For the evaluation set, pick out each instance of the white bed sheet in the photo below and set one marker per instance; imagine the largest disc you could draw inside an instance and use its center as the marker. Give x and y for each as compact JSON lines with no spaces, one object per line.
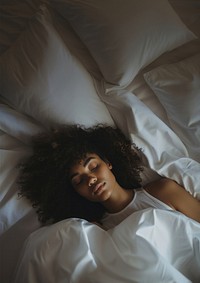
{"x":17,"y":217}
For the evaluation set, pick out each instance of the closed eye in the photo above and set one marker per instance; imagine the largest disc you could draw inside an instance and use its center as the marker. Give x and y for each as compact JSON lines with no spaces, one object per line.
{"x":76,"y":182}
{"x":94,"y":168}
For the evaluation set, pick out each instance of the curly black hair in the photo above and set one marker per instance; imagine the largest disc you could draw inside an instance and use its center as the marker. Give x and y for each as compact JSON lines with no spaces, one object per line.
{"x":44,"y":176}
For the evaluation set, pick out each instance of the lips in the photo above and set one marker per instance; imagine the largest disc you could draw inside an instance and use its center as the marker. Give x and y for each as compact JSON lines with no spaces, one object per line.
{"x":98,"y":188}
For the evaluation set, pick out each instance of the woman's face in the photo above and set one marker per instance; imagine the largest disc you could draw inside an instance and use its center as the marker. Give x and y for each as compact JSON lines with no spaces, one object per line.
{"x":92,"y":178}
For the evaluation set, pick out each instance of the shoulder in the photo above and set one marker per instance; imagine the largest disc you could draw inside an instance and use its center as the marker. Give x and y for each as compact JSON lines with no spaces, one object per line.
{"x":176,"y":196}
{"x":164,"y":189}
{"x":161,"y":184}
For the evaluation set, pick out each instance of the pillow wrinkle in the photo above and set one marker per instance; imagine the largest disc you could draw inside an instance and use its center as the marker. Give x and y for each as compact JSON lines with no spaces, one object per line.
{"x":177,"y":87}
{"x":41,"y":78}
{"x":124,"y":36}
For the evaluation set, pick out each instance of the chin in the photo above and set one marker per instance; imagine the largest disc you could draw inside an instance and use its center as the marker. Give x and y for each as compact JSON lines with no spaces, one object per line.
{"x":104,"y":196}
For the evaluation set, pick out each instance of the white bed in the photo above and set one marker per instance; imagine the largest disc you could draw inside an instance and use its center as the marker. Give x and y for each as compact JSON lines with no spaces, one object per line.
{"x":133,"y":64}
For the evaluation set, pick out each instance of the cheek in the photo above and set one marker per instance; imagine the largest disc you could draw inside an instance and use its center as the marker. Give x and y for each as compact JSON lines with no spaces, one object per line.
{"x":82,"y":191}
{"x":110,"y":175}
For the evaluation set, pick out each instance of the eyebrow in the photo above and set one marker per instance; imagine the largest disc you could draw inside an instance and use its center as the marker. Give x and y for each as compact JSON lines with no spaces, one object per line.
{"x":85,"y":163}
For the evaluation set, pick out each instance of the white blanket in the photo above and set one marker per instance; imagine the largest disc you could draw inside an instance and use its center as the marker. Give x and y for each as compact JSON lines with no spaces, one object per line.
{"x":149,"y":246}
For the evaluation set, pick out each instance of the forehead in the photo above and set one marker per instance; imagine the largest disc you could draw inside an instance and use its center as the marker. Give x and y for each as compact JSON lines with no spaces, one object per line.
{"x":85,"y":160}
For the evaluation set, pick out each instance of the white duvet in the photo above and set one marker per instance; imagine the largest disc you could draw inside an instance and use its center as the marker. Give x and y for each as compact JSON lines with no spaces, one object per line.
{"x":149,"y":246}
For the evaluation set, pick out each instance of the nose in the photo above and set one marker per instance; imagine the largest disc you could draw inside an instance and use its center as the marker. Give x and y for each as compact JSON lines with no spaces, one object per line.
{"x":91,"y":180}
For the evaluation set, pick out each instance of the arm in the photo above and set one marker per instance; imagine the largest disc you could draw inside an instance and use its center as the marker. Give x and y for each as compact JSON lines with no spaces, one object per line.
{"x":174,"y":195}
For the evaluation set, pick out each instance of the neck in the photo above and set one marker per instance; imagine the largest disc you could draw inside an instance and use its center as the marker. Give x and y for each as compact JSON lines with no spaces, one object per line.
{"x":119,"y":200}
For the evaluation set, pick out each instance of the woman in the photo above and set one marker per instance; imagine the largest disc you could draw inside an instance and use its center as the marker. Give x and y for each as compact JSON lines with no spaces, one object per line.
{"x":94,"y":174}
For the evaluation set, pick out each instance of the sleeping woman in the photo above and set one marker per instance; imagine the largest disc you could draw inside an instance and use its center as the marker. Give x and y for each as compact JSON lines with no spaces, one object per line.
{"x":94,"y":174}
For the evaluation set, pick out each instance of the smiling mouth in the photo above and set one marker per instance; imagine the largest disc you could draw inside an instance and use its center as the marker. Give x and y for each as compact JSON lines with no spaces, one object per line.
{"x":98,"y":188}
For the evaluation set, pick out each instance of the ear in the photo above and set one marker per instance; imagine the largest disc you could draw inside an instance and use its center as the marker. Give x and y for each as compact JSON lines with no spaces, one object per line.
{"x":109,"y":165}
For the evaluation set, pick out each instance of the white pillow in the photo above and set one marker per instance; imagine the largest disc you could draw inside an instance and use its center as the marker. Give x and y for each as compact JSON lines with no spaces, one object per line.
{"x":41,"y":78}
{"x":124,"y":36}
{"x":15,"y":16}
{"x":177,"y":86}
